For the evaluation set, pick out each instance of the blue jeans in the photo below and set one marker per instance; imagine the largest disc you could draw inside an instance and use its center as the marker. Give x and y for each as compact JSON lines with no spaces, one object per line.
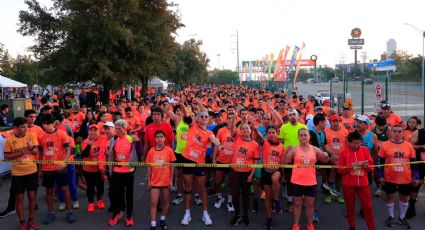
{"x":72,"y":185}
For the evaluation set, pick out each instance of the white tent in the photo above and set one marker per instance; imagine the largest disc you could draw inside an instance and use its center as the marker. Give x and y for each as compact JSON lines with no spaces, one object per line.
{"x":157,"y":83}
{"x":7,"y":82}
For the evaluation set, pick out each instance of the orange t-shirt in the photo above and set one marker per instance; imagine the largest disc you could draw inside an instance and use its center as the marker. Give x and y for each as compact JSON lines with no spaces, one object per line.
{"x":336,"y":139}
{"x":272,"y":154}
{"x":301,"y":175}
{"x":13,"y":144}
{"x":407,"y":134}
{"x":132,"y":122}
{"x":348,"y":123}
{"x":76,"y":120}
{"x":37,"y":130}
{"x":97,"y":153}
{"x":197,"y":144}
{"x":225,"y":137}
{"x":160,"y":175}
{"x":397,"y":153}
{"x":245,"y":152}
{"x":394,"y":119}
{"x":54,"y":148}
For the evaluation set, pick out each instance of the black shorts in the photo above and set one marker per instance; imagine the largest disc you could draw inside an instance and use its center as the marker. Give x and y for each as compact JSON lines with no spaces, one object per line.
{"x":197,"y":171}
{"x":301,"y":190}
{"x":266,"y":176}
{"x":222,"y":169}
{"x":179,"y":158}
{"x":28,"y":183}
{"x":391,"y":188}
{"x":49,"y":180}
{"x":159,"y":187}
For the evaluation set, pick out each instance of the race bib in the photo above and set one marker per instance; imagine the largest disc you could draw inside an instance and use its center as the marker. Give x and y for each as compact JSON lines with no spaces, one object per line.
{"x":228,"y":152}
{"x":240,"y":161}
{"x":48,"y":153}
{"x":194,"y":154}
{"x":121,"y":157}
{"x":306,"y":161}
{"x":183,"y":136}
{"x":357,"y":172}
{"x":337,"y":146}
{"x":398,"y":169}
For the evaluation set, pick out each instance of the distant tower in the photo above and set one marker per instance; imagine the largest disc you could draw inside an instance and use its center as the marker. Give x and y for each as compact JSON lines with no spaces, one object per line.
{"x":391,"y":47}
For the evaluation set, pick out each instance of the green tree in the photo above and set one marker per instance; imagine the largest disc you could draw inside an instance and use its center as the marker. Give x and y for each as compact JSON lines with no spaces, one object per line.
{"x":110,"y":42}
{"x":6,"y":63}
{"x":327,"y":73}
{"x":408,"y":66}
{"x":223,"y":77}
{"x":189,"y":64}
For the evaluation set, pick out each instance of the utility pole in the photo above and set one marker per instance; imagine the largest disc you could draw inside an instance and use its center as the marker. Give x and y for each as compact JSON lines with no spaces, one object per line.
{"x":237,"y":55}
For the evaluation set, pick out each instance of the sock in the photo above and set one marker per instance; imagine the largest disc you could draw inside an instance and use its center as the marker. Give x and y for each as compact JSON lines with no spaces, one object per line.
{"x":219,"y":195}
{"x":390,"y":208}
{"x":229,"y":198}
{"x":205,"y":213}
{"x":162,"y":217}
{"x":290,"y":199}
{"x":412,"y":203}
{"x":153,"y":223}
{"x":403,"y":209}
{"x":188,"y":211}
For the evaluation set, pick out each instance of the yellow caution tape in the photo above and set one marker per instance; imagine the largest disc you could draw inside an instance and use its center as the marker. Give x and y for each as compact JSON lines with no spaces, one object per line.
{"x":191,"y":165}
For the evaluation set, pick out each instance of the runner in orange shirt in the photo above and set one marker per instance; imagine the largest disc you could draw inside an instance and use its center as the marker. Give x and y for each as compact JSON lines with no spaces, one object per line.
{"x":397,"y":178}
{"x":336,"y":137}
{"x":304,"y":180}
{"x":271,"y":177}
{"x":411,"y":126}
{"x":347,"y":120}
{"x":392,"y":118}
{"x":30,"y":115}
{"x":160,"y":178}
{"x":134,"y":125}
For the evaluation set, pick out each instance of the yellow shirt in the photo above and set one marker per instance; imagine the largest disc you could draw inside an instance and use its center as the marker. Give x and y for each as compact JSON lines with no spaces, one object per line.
{"x":14,"y":144}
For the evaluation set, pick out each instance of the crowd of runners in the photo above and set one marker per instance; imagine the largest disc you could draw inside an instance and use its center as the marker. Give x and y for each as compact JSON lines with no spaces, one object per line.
{"x":220,"y":124}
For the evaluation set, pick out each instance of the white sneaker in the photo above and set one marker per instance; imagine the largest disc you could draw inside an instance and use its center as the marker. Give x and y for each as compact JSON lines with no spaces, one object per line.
{"x":218,"y":202}
{"x":76,"y":205}
{"x":178,"y":200}
{"x":230,"y":207}
{"x":186,"y":219}
{"x":62,"y":206}
{"x":198,"y":200}
{"x":207,"y":219}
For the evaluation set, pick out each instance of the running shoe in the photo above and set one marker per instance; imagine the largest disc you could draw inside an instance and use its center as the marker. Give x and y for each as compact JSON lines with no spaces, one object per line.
{"x":186,"y":219}
{"x":268,"y":224}
{"x":340,"y":200}
{"x":178,"y":199}
{"x":49,"y":218}
{"x":255,"y":208}
{"x":325,"y":187}
{"x":296,"y":227}
{"x":100,"y":204}
{"x":236,"y":219}
{"x":207,"y":219}
{"x":403,"y":223}
{"x":7,"y":212}
{"x":230,"y":207}
{"x":327,"y":200}
{"x":114,"y":219}
{"x":23,"y":226}
{"x":390,"y":222}
{"x":61,"y":206}
{"x":90,"y":208}
{"x":70,"y":217}
{"x":333,"y":191}
{"x":310,"y":227}
{"x":218,"y":202}
{"x":129,"y":221}
{"x":76,"y":205}
{"x":32,"y":225}
{"x":162,"y":225}
{"x":316,"y":218}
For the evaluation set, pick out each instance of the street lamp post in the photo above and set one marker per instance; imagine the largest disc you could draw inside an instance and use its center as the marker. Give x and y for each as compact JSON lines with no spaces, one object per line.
{"x":423,"y":60}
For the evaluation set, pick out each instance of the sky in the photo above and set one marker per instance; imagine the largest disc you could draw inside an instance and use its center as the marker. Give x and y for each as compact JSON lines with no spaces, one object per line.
{"x":267,"y":26}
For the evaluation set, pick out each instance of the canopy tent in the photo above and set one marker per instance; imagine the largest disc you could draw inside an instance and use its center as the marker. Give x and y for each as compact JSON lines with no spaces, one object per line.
{"x":157,"y":83}
{"x":9,"y":83}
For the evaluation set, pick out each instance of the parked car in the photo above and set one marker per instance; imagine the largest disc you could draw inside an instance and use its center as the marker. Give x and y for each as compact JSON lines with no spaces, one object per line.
{"x":368,"y":81}
{"x":325,"y":95}
{"x":311,"y":80}
{"x":335,"y":79}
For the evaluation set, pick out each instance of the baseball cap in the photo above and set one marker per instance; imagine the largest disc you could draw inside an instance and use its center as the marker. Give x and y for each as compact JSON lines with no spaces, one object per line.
{"x":334,"y":117}
{"x":386,"y":106}
{"x":326,"y":101}
{"x":364,"y":118}
{"x":317,"y":108}
{"x":109,"y":124}
{"x":94,"y":127}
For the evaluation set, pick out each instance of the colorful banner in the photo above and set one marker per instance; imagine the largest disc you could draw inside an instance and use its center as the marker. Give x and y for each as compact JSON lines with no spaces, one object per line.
{"x":283,"y":64}
{"x":276,"y":71}
{"x":293,"y":59}
{"x":297,"y":70}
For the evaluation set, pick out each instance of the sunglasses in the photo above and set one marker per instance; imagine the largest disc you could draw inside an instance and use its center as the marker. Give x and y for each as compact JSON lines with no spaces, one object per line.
{"x":203,"y":116}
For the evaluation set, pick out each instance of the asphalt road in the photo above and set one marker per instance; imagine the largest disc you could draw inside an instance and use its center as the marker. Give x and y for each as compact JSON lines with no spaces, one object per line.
{"x":331,"y":216}
{"x":406,"y":98}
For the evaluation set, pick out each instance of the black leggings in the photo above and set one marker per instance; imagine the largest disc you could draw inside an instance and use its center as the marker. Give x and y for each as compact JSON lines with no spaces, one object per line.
{"x":239,"y":184}
{"x":122,"y":185}
{"x":94,"y":180}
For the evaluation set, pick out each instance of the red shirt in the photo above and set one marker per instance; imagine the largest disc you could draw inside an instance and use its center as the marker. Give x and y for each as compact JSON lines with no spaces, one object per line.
{"x":150,"y":134}
{"x":351,"y":177}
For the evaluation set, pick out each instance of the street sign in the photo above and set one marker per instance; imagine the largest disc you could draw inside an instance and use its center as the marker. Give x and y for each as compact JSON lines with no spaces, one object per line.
{"x":354,"y":42}
{"x":356,"y":47}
